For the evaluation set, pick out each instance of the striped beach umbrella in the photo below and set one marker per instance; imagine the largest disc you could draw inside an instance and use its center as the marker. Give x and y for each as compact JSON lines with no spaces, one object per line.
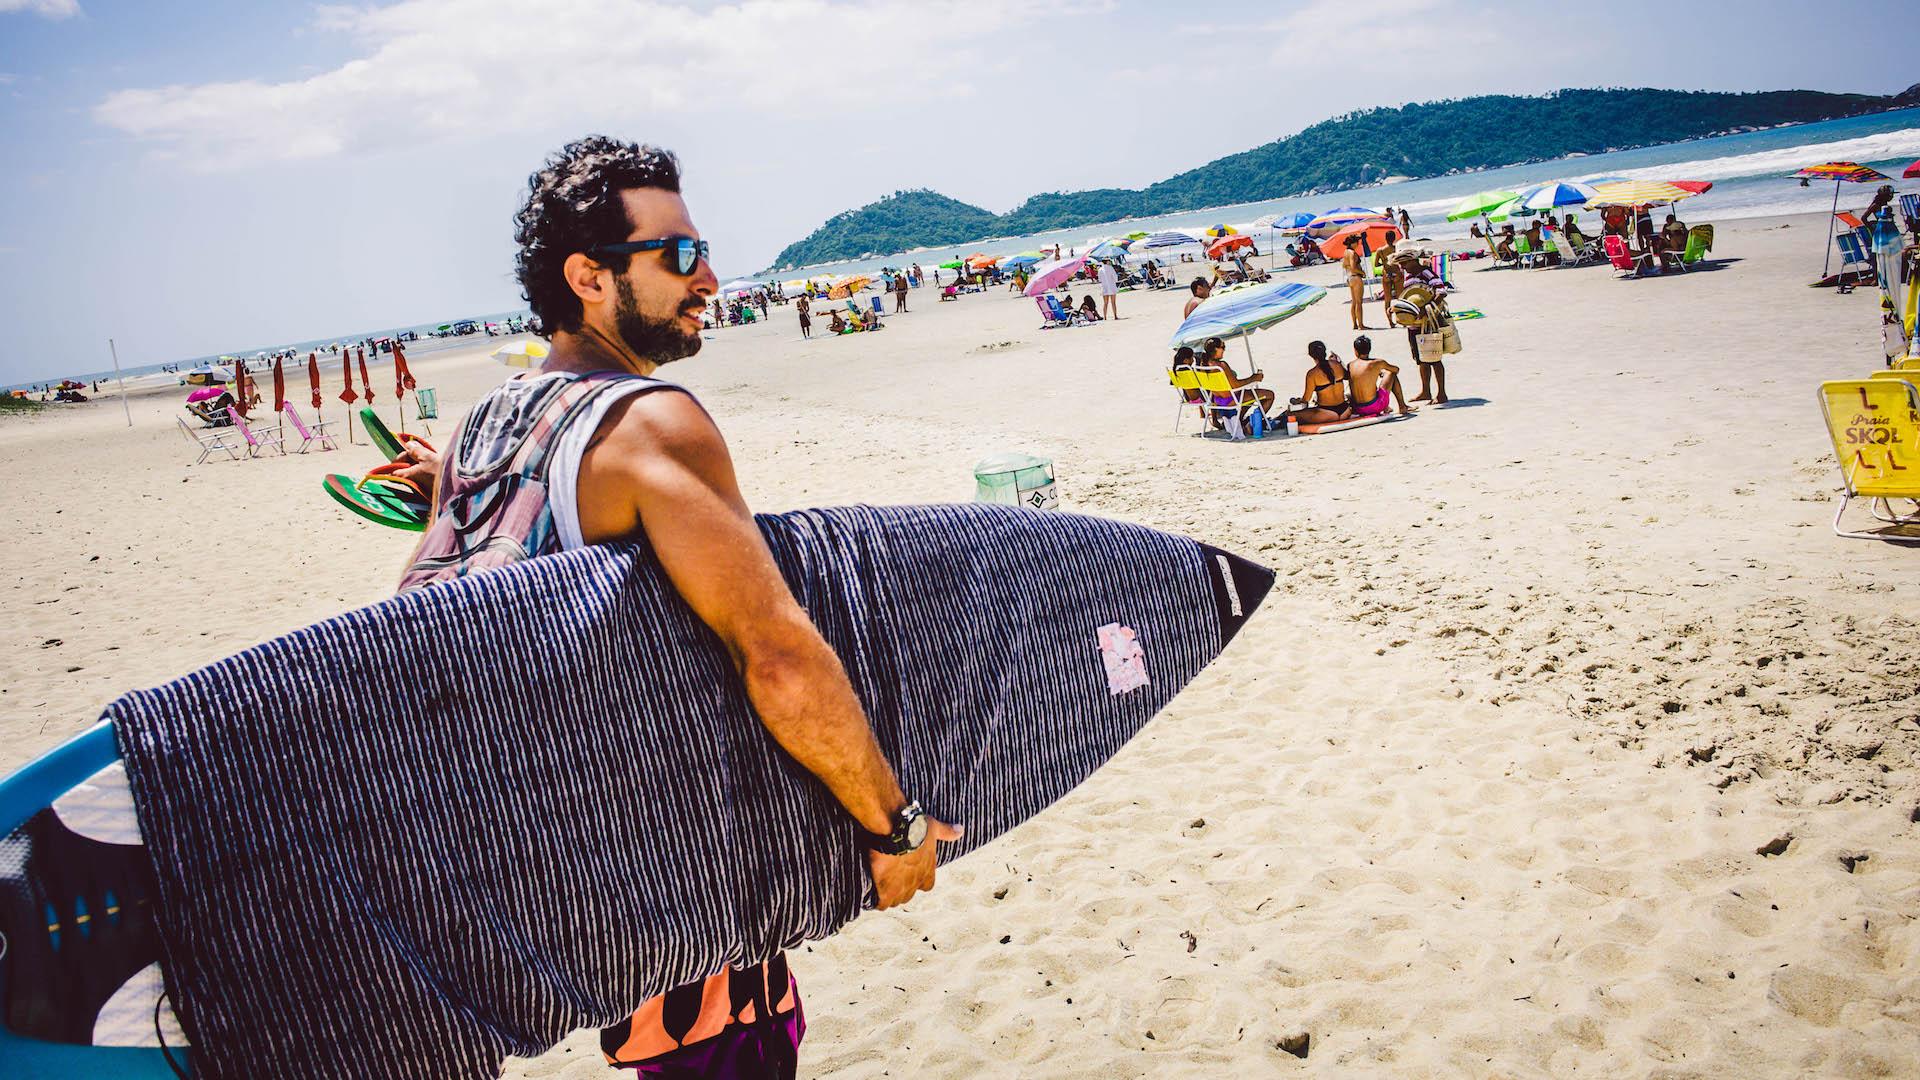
{"x":1167,"y":238}
{"x":1639,"y":193}
{"x":1840,"y":172}
{"x":1334,"y":220}
{"x":1240,"y":311}
{"x":1545,"y":197}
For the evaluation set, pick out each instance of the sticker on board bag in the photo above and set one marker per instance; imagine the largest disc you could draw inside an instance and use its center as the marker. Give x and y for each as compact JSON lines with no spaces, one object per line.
{"x":1125,"y":662}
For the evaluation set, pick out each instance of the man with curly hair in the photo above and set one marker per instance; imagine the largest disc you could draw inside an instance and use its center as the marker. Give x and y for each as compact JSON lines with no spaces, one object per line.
{"x":618,"y":276}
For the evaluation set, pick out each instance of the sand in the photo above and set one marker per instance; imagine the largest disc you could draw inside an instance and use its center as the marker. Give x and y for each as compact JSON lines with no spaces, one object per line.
{"x":1572,"y":740}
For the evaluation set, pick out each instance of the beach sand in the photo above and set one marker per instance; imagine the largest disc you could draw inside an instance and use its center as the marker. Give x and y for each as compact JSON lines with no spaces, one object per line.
{"x":1571,"y":740}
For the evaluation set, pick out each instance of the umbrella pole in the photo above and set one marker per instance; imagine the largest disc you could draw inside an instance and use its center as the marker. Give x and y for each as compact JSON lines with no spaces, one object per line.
{"x":1827,"y":259}
{"x":115,"y":350}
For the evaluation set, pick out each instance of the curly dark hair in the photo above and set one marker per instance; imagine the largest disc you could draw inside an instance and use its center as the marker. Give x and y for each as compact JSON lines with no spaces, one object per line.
{"x":573,"y":203}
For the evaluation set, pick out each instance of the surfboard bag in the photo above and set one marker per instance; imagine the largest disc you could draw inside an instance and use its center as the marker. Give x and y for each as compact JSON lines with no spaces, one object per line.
{"x":456,"y":825}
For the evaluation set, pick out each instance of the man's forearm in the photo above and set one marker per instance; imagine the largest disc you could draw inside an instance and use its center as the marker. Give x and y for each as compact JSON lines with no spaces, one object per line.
{"x":809,"y":708}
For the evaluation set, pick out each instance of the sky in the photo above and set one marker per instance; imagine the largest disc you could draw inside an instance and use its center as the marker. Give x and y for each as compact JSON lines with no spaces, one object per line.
{"x":199,"y":177}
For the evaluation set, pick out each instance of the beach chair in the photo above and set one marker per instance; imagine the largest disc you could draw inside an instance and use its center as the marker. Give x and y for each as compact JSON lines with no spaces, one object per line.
{"x":1910,"y":212}
{"x":1624,"y":261}
{"x":1523,"y":248}
{"x":1699,"y":242}
{"x":1048,"y":322}
{"x":1060,"y":314}
{"x":1185,"y":379}
{"x":1215,"y":384}
{"x":309,"y":435}
{"x":426,"y":403}
{"x":878,"y":310}
{"x":1853,"y":260}
{"x":1875,"y":428}
{"x":209,"y":441}
{"x":257,"y":444}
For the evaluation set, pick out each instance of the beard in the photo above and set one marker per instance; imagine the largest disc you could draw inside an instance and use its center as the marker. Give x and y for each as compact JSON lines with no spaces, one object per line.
{"x":658,"y":340}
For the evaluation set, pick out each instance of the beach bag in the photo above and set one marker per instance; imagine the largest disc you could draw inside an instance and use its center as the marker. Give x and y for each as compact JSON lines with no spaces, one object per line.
{"x":1450,"y":339}
{"x":1431,"y":348}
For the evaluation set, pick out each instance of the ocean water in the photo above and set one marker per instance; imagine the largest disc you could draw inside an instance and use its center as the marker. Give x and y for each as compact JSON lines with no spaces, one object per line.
{"x":1750,"y":174}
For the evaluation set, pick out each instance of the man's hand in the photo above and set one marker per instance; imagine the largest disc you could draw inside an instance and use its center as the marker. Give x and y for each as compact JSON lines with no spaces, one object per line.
{"x":897,"y":877}
{"x":420,"y":464}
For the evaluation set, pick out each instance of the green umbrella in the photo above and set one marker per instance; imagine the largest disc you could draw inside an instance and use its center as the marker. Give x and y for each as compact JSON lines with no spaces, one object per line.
{"x":1480,"y":204}
{"x":954,"y":265}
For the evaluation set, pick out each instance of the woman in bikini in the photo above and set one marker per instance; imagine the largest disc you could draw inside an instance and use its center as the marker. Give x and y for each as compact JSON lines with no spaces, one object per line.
{"x":1325,"y":399}
{"x":1356,"y":284}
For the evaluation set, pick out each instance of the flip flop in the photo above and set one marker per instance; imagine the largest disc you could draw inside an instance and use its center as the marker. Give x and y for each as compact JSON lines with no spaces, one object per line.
{"x":376,"y":505}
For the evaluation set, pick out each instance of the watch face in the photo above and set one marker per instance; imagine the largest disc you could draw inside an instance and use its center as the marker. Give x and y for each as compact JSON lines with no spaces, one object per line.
{"x":917,"y":831}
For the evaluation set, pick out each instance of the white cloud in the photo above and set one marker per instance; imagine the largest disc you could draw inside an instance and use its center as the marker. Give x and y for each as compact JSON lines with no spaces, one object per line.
{"x":52,"y":9}
{"x":435,"y":69}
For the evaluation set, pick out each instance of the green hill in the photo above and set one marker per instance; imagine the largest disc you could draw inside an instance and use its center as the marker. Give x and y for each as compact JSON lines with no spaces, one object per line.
{"x":1427,"y":139}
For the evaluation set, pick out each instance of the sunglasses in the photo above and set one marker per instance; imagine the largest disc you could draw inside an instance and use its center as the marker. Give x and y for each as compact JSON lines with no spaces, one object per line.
{"x":684,"y":252}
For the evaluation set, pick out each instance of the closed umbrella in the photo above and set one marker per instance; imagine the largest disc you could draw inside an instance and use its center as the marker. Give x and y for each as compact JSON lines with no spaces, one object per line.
{"x":365,"y":383}
{"x":1048,"y":274}
{"x":313,"y":379}
{"x":403,"y":379}
{"x":348,"y":395}
{"x":241,"y":390}
{"x":279,"y":388}
{"x":1840,"y":172}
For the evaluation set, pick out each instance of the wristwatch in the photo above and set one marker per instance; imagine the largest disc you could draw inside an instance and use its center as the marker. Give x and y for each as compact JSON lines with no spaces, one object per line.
{"x":908,"y":833}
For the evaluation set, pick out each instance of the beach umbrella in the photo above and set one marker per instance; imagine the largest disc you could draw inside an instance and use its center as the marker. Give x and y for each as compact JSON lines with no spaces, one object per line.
{"x":1023,"y":259}
{"x":522,"y":354}
{"x":1633,"y":193}
{"x":1698,"y":187}
{"x":313,"y":379}
{"x":1324,"y":226}
{"x":1219,"y":230}
{"x":1048,"y":274}
{"x":954,"y":265}
{"x":1108,"y":249}
{"x":1840,"y":172}
{"x":1480,"y":204}
{"x":1544,"y":197}
{"x":1243,"y":310}
{"x":205,"y":393}
{"x":1294,"y":222}
{"x":1368,"y":234}
{"x":981,"y":262}
{"x":742,"y":285}
{"x":1167,"y":238}
{"x":208,"y":373}
{"x":1228,"y":243}
{"x":348,"y":395}
{"x":402,"y":374}
{"x":241,"y":391}
{"x":366,"y":384}
{"x":279,"y":388}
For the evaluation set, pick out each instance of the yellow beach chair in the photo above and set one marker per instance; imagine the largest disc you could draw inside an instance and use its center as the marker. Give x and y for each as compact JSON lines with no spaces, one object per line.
{"x":1187,"y":382}
{"x":1875,"y":428}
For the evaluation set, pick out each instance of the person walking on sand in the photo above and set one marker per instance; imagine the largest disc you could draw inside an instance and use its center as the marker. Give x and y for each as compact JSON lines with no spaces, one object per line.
{"x":805,"y":309}
{"x":1356,"y":285}
{"x":614,"y":269}
{"x":1109,"y":291}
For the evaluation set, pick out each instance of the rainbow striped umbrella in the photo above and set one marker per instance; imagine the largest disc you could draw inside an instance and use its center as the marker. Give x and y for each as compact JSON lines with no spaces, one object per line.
{"x":1334,"y":220}
{"x":1638,"y":193}
{"x":1840,"y":172}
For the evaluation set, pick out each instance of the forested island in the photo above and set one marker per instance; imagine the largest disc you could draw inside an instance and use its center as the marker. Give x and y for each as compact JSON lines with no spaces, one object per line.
{"x":1414,"y":141}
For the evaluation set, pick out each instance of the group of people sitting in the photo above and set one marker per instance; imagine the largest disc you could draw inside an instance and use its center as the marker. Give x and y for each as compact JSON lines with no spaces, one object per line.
{"x":1505,"y":243}
{"x":1334,"y":391}
{"x":849,"y":320}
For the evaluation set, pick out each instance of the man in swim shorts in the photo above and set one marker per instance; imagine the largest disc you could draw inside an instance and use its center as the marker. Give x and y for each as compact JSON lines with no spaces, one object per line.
{"x":613,"y":268}
{"x":1374,"y":382}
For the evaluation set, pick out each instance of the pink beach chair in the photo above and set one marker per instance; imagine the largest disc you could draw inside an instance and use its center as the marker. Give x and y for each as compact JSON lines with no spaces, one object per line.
{"x":256,"y":444}
{"x":308,"y":436}
{"x":1622,"y":259}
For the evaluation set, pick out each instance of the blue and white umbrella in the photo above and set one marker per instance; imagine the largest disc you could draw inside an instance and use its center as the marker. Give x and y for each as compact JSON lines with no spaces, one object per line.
{"x":1244,"y":309}
{"x":1014,"y":261}
{"x":1108,"y":249}
{"x":1544,"y":197}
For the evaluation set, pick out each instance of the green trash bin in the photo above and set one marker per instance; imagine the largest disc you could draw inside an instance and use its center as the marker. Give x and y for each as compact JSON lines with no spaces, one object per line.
{"x":1016,"y":480}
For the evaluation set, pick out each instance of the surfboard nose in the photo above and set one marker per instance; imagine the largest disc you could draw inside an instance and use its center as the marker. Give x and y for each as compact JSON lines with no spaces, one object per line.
{"x":1238,"y":588}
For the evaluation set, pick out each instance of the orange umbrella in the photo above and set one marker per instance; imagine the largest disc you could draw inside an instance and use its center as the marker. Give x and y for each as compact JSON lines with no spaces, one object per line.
{"x":365,"y":383}
{"x":1368,"y":234}
{"x":279,"y":387}
{"x":313,"y":378}
{"x":1228,"y":243}
{"x":346,"y":368}
{"x":981,"y":262}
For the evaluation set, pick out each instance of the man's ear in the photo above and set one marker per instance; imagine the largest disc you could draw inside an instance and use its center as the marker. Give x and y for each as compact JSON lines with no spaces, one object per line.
{"x":590,"y":281}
